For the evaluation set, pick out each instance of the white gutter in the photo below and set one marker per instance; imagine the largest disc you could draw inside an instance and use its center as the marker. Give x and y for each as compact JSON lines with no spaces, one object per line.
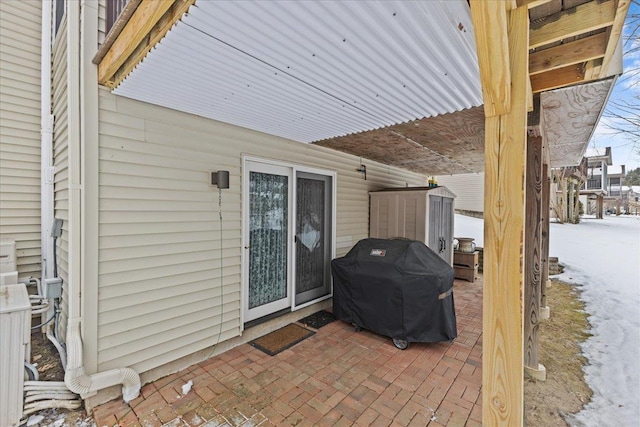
{"x":75,"y":376}
{"x":46,"y":145}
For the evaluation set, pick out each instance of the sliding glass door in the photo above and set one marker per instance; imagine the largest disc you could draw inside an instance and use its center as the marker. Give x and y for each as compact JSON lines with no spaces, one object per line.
{"x":313,"y":237}
{"x":288,"y":237}
{"x":268,"y":225}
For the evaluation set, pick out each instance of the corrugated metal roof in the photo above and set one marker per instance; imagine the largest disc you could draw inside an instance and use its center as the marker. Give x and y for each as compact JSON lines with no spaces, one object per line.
{"x":313,"y":70}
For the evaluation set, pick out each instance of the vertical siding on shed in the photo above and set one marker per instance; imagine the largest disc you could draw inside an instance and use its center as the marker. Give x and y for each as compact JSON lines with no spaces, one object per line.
{"x":60,"y":158}
{"x":468,"y":188}
{"x":20,"y":28}
{"x":159,"y":247}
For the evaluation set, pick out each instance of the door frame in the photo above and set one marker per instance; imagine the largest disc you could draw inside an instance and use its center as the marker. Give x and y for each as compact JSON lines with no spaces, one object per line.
{"x":294,"y":169}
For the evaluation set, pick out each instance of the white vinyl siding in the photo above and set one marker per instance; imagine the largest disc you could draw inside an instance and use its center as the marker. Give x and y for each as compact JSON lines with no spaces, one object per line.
{"x":468,"y":188}
{"x":159,"y":233}
{"x":60,"y":157}
{"x":20,"y":27}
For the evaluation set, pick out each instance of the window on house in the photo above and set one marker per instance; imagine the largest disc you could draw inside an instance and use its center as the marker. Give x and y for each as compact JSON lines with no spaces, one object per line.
{"x":59,"y":10}
{"x":594,"y":184}
{"x":114,"y":9}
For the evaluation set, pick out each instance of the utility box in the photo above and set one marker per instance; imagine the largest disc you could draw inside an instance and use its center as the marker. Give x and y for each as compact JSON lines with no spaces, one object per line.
{"x":15,"y":336}
{"x":416,"y":213}
{"x":8,"y":265}
{"x":7,"y":256}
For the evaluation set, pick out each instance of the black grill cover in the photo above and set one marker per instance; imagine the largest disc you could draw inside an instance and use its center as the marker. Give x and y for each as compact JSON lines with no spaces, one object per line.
{"x":398,"y":288}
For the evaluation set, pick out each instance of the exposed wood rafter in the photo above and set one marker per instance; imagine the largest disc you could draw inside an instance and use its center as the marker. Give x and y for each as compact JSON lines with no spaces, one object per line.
{"x":573,"y":22}
{"x":574,"y":52}
{"x":146,"y":27}
{"x":561,"y":77}
{"x":531,"y":3}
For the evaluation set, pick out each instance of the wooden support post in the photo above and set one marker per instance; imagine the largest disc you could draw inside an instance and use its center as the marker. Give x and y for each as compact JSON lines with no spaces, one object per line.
{"x":505,"y":138}
{"x":532,"y":258}
{"x":562,"y":212}
{"x":600,"y":212}
{"x":570,"y":205}
{"x":546,"y":193}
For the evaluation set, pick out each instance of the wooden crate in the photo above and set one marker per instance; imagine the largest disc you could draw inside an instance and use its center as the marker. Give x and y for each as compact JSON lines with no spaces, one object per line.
{"x":469,"y":274}
{"x":465,"y":259}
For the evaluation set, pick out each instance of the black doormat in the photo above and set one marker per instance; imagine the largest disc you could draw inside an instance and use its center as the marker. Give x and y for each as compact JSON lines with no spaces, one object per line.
{"x":318,"y":319}
{"x":281,"y":339}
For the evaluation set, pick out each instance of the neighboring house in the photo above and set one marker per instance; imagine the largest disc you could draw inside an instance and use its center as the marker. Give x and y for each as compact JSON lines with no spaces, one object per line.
{"x":20,"y":160}
{"x":595,"y":188}
{"x":161,"y":268}
{"x":565,"y":187}
{"x":615,"y":179}
{"x":634,"y":199}
{"x":616,"y":200}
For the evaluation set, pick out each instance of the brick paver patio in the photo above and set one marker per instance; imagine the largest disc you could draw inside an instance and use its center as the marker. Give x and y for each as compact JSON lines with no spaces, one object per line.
{"x":337,"y":377}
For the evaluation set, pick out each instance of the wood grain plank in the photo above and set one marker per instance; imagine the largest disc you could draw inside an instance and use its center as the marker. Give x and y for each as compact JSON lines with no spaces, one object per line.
{"x":570,"y":53}
{"x":532,"y":252}
{"x":141,"y":22}
{"x":572,"y":22}
{"x":561,"y":77}
{"x":530,"y":4}
{"x":544,"y":233}
{"x":502,"y":361}
{"x":490,"y":28}
{"x":614,"y":35}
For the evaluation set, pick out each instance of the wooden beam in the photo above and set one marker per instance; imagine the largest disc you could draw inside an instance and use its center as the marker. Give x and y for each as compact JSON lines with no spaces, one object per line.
{"x":145,"y":28}
{"x":532,"y":3}
{"x":505,"y":136}
{"x":614,"y":35}
{"x":544,"y":234}
{"x":572,"y":22}
{"x":574,"y":52}
{"x":490,"y":29}
{"x":162,"y":27}
{"x":534,"y":118}
{"x":143,"y":19}
{"x":557,"y":78}
{"x":533,"y":256}
{"x":592,"y":69}
{"x":530,"y":106}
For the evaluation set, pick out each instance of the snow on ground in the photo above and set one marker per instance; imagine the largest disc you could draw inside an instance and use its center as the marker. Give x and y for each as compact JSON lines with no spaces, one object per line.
{"x":602,"y":257}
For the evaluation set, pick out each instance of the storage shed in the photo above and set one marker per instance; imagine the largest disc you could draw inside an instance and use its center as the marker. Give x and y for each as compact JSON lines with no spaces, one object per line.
{"x":416,"y":213}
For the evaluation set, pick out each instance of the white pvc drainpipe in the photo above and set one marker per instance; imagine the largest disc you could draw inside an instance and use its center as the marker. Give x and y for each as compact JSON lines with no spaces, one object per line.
{"x":46,"y":146}
{"x":75,"y":376}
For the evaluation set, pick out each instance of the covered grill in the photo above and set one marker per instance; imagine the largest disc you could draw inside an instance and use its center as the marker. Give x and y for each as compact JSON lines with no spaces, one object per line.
{"x":398,"y":288}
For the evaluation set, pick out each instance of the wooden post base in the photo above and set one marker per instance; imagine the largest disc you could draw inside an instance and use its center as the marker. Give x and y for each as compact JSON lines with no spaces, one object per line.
{"x":539,"y":374}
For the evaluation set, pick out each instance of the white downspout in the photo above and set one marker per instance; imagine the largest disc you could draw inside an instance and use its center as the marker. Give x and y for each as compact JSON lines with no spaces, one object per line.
{"x":75,"y":377}
{"x":46,"y":145}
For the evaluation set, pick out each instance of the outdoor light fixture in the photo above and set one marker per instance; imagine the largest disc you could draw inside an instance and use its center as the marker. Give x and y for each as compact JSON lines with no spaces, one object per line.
{"x":220,"y":179}
{"x":363,"y":170}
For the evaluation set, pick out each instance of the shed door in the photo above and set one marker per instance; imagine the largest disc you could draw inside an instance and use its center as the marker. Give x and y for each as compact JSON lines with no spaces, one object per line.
{"x":447,"y":228}
{"x":435,"y":224}
{"x":441,"y":226}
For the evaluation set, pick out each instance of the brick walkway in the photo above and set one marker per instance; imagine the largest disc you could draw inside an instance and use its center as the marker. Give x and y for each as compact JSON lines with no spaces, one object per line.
{"x":337,"y":377}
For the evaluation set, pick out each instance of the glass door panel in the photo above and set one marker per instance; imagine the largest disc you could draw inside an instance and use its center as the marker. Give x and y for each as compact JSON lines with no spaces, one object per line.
{"x":312,"y":237}
{"x":268,"y":241}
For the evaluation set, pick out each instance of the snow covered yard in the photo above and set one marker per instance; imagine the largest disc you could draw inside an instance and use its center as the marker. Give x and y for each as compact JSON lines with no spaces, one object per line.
{"x":602,"y":257}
